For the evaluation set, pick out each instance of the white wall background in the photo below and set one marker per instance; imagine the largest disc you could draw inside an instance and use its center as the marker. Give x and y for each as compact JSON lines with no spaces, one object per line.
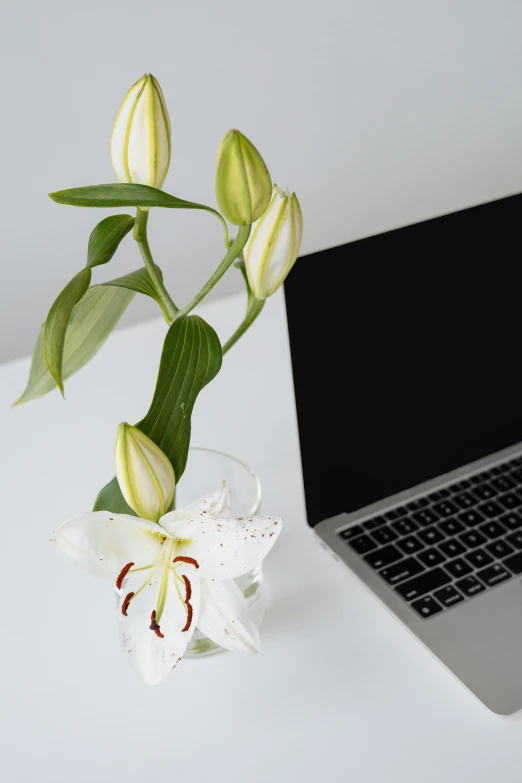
{"x":377,"y":112}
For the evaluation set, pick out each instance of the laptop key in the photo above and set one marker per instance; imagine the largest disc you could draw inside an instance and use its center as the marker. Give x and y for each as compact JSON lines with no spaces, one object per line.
{"x":492,"y":529}
{"x":458,"y":486}
{"x":425,"y":516}
{"x":383,"y":557}
{"x":362,"y":545}
{"x":396,"y":513}
{"x":458,"y":568}
{"x":448,"y":596}
{"x":494,"y":574}
{"x":371,"y":524}
{"x":473,"y":538}
{"x":491,"y":509}
{"x":500,"y":548}
{"x":410,"y":545}
{"x":430,"y":535}
{"x":451,"y":527}
{"x":512,"y":520}
{"x":383,"y":535}
{"x":485,"y":491}
{"x":478,"y":558}
{"x":405,"y":526}
{"x":425,"y":583}
{"x":499,"y":469}
{"x":431,"y":557}
{"x":402,"y":570}
{"x":515,"y":539}
{"x":351,"y":532}
{"x":510,"y":500}
{"x":416,"y":504}
{"x":446,"y":508}
{"x":452,"y":548}
{"x":440,"y":494}
{"x":471,"y":517}
{"x":427,"y":606}
{"x":514,"y":563}
{"x":516,"y":475}
{"x":466,"y":500}
{"x":470,"y":585}
{"x":503,"y":483}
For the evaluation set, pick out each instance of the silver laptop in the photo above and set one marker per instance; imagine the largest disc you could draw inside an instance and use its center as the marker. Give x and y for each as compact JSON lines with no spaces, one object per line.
{"x":407,"y":360}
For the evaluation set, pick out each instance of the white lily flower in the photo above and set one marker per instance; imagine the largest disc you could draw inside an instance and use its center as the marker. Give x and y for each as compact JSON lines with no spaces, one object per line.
{"x":274,"y":243}
{"x":140,"y":141}
{"x":174,"y":576}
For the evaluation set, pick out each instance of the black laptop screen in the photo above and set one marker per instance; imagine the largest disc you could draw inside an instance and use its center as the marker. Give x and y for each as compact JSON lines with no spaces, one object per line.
{"x":407,"y":353}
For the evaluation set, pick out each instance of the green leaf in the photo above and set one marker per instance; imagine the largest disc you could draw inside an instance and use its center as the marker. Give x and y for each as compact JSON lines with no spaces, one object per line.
{"x":91,"y":322}
{"x":103,"y":243}
{"x":110,"y":499}
{"x":139,"y":281}
{"x":106,"y":237}
{"x":191,"y":358}
{"x":123,"y":195}
{"x":57,"y":320}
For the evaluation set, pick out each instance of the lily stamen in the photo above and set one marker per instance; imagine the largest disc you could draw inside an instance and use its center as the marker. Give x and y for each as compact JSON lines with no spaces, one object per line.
{"x":142,"y":568}
{"x":189,"y":616}
{"x":128,"y":598}
{"x":123,"y":573}
{"x":188,"y":588}
{"x":189,"y":560}
{"x":154,"y":625}
{"x":188,"y":595}
{"x":125,"y":604}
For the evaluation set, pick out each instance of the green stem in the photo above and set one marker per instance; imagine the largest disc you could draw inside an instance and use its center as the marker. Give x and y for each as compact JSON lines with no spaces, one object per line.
{"x":140,"y":235}
{"x":223,"y":223}
{"x":234,"y":250}
{"x":252,"y":313}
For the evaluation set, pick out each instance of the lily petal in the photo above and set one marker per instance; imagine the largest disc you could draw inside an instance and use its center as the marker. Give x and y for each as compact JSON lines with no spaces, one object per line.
{"x":217,"y":502}
{"x":224,"y":617}
{"x":152,"y":656}
{"x":103,"y":543}
{"x":226,"y":548}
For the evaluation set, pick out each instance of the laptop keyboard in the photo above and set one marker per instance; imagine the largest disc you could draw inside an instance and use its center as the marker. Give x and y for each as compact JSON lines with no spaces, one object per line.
{"x":447,"y":546}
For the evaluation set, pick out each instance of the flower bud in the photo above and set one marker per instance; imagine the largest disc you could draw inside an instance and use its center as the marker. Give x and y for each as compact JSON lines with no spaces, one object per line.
{"x":274,"y":243}
{"x":140,"y":141}
{"x":243,"y":184}
{"x":144,"y":473}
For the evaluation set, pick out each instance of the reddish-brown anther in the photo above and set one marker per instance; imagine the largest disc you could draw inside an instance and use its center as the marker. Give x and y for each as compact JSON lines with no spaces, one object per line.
{"x":123,"y":573}
{"x":125,"y":604}
{"x":154,"y":625}
{"x":189,"y":617}
{"x":188,"y":588}
{"x":189,"y":560}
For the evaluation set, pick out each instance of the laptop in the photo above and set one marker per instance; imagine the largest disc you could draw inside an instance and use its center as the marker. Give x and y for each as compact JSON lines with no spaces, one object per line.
{"x":407,"y":362}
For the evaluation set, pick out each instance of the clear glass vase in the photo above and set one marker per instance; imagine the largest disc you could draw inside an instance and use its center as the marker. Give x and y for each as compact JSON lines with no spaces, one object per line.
{"x":207,"y":469}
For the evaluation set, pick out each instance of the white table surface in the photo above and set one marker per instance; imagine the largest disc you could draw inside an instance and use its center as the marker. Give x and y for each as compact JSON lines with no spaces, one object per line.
{"x":339,"y":692}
